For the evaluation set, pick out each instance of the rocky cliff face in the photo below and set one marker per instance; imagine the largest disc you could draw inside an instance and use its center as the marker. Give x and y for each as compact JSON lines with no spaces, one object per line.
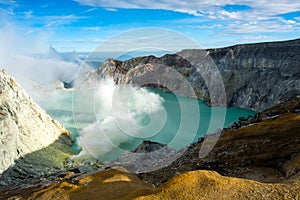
{"x":24,"y":127}
{"x":255,"y":76}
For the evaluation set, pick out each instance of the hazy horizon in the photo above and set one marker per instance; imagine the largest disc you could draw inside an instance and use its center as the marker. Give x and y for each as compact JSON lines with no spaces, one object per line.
{"x":85,"y":52}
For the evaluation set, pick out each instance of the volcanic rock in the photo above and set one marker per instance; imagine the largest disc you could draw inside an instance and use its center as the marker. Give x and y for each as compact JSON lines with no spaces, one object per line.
{"x":27,"y":134}
{"x":255,"y":76}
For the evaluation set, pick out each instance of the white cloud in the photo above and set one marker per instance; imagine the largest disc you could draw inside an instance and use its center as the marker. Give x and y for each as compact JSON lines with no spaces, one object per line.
{"x":7,"y":7}
{"x":8,"y":2}
{"x":259,"y":38}
{"x":289,"y":22}
{"x":224,"y":15}
{"x":111,"y":9}
{"x":92,"y":28}
{"x":207,"y":26}
{"x":263,"y":12}
{"x":55,"y":21}
{"x":264,"y":7}
{"x":28,"y":14}
{"x":89,"y":10}
{"x":27,"y":58}
{"x":262,"y":27}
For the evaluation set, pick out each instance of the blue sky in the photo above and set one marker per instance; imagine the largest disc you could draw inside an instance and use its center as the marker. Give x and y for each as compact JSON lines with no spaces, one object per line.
{"x":81,"y":25}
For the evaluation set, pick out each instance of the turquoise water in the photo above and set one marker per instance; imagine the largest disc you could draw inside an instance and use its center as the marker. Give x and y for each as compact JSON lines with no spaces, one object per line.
{"x":187,"y":119}
{"x":173,"y":109}
{"x":194,"y":126}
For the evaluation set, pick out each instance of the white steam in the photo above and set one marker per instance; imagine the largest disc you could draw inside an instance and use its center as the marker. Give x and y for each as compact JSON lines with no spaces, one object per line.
{"x":29,"y":60}
{"x":144,"y":110}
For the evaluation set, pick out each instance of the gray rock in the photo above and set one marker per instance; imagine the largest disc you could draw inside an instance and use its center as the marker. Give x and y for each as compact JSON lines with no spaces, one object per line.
{"x":28,"y":136}
{"x":255,"y":76}
{"x":148,"y":156}
{"x":148,"y":146}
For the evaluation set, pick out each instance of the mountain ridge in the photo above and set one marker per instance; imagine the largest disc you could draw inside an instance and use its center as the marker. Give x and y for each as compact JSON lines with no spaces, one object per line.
{"x":255,"y":76}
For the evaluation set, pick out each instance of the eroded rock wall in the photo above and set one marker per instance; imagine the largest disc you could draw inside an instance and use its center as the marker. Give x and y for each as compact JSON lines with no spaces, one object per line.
{"x":255,"y":76}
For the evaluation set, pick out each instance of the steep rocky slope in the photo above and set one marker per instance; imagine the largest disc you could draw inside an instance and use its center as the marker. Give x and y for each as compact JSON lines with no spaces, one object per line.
{"x":256,"y":76}
{"x":25,"y":128}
